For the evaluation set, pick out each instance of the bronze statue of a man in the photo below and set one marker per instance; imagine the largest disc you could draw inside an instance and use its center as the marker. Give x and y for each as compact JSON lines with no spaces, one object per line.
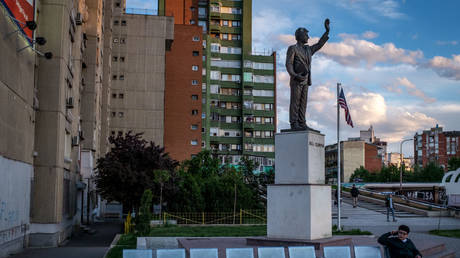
{"x":298,"y":65}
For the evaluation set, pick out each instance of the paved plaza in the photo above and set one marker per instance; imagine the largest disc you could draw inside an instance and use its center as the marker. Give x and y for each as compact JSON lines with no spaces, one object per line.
{"x":371,"y":219}
{"x":80,"y":246}
{"x":376,"y":222}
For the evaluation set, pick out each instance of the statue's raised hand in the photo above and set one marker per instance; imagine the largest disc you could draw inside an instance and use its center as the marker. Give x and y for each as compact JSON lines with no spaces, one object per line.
{"x":326,"y":25}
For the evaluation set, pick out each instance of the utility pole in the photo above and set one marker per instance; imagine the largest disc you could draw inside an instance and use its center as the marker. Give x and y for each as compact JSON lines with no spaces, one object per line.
{"x":401,"y":163}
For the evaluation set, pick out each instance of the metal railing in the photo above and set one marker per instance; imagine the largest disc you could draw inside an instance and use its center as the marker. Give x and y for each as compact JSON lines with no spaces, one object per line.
{"x":240,"y":217}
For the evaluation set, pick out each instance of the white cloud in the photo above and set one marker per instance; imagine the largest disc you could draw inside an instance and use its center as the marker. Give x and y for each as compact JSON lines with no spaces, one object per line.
{"x":267,"y":24}
{"x":367,"y":108}
{"x":443,"y":43}
{"x":372,"y":9}
{"x":369,"y":35}
{"x":446,"y":67}
{"x":410,"y":88}
{"x":352,"y":51}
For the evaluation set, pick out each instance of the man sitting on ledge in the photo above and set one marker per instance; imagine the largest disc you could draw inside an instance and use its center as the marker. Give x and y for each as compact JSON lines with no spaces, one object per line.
{"x":399,"y":246}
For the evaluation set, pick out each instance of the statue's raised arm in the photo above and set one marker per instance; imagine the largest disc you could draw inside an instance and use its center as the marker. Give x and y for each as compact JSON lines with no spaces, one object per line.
{"x":326,"y":25}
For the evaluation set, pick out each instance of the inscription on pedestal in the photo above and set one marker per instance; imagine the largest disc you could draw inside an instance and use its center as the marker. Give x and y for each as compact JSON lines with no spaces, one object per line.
{"x":299,"y":158}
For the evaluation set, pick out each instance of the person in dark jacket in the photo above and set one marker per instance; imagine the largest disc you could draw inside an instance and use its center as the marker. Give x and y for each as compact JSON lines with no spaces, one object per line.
{"x":390,"y":207}
{"x":399,"y":246}
{"x":354,"y":194}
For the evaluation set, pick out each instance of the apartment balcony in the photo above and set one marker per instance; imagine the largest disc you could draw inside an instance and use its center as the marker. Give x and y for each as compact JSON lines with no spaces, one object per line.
{"x":214,"y":28}
{"x":225,"y":139}
{"x":247,"y":125}
{"x":215,"y":14}
{"x":248,"y":140}
{"x":247,"y":111}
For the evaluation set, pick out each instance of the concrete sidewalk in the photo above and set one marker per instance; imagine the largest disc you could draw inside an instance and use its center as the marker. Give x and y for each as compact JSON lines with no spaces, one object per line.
{"x":376,"y":222}
{"x":82,"y":245}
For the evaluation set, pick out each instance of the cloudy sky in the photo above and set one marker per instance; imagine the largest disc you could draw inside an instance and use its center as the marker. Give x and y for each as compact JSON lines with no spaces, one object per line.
{"x":397,"y":60}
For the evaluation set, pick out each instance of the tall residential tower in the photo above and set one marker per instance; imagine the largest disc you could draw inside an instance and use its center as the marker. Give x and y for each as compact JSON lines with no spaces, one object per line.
{"x":238,"y":87}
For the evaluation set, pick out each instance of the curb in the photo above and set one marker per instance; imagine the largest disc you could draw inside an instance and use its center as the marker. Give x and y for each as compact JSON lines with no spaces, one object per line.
{"x":114,"y":243}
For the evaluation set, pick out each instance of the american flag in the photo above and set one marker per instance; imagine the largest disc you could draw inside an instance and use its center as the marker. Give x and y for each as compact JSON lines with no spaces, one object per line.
{"x":343,"y":104}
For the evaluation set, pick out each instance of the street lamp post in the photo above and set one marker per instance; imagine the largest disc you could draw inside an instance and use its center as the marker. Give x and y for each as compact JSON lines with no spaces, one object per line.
{"x":400,"y":164}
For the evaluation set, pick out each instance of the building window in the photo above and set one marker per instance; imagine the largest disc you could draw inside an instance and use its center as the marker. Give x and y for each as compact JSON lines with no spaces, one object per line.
{"x":194,"y":67}
{"x":194,"y":82}
{"x":121,"y":114}
{"x":203,"y":115}
{"x":203,"y":24}
{"x":196,"y":38}
{"x":215,"y":75}
{"x":194,"y":142}
{"x":194,"y":112}
{"x":122,"y":40}
{"x":121,"y":96}
{"x":122,"y":59}
{"x":236,"y":23}
{"x":194,"y":97}
{"x":192,"y":22}
{"x":224,"y":36}
{"x":196,"y":53}
{"x":115,"y":40}
{"x":236,"y":37}
{"x":194,"y":127}
{"x":123,"y":23}
{"x":115,"y":58}
{"x":122,"y":77}
{"x":201,"y":12}
{"x":215,"y":47}
{"x":112,"y":132}
{"x":116,"y":22}
{"x":117,"y":4}
{"x":114,"y":114}
{"x":114,"y":95}
{"x":114,"y":77}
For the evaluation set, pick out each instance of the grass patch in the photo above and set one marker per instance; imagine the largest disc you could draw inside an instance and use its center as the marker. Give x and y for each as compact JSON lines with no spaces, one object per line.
{"x":228,"y":231}
{"x":446,"y":233}
{"x":209,"y":231}
{"x":351,"y":232}
{"x":127,"y":241}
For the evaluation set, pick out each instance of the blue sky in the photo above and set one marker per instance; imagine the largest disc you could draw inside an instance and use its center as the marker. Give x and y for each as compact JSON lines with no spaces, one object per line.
{"x":398,"y":61}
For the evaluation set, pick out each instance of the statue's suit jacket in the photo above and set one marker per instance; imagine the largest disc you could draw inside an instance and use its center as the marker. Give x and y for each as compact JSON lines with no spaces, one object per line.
{"x":298,"y":59}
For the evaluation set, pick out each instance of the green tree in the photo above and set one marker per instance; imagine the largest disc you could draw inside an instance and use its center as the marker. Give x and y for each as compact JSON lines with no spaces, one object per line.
{"x":453,"y":163}
{"x":161,"y":177}
{"x":145,"y":214}
{"x":126,"y":171}
{"x":206,"y":185}
{"x":430,"y":173}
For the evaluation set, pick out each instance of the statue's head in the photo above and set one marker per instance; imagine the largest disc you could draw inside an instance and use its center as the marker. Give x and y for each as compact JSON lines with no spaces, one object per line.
{"x":301,"y":35}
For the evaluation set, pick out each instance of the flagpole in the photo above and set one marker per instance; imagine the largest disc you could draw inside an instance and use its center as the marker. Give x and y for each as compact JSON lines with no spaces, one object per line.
{"x":338,"y":159}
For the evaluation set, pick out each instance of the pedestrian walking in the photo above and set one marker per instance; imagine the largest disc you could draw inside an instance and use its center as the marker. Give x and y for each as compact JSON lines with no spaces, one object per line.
{"x":354,"y":194}
{"x":390,"y":207}
{"x":398,"y":243}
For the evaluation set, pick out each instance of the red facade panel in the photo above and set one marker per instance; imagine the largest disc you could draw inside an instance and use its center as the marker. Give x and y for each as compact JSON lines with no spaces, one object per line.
{"x":182,"y":135}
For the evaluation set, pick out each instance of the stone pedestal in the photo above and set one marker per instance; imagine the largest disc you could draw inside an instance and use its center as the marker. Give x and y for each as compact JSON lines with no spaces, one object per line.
{"x":299,"y":203}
